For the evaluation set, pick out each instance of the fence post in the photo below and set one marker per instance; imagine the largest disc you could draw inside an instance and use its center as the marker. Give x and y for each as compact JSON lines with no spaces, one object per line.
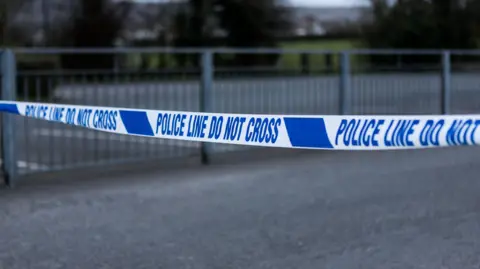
{"x":206,"y":96}
{"x":345,"y":87}
{"x":9,"y":76}
{"x":446,"y":83}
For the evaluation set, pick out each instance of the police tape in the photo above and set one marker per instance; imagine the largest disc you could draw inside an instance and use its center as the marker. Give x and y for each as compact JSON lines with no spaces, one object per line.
{"x":284,"y":131}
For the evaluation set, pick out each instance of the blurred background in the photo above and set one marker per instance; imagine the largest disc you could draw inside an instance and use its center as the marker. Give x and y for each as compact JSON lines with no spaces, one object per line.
{"x":294,"y":24}
{"x":134,"y":202}
{"x":230,"y":56}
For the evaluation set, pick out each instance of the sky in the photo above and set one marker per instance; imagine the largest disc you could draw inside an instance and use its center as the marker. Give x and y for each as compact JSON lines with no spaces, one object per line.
{"x":327,"y":3}
{"x":316,"y":3}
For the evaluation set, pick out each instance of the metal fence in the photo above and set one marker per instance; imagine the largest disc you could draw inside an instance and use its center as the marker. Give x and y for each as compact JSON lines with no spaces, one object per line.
{"x":299,"y":82}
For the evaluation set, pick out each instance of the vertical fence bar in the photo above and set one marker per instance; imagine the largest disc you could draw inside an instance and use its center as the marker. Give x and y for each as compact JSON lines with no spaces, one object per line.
{"x":446,"y":83}
{"x":345,"y":87}
{"x":9,"y":164}
{"x":206,"y":96}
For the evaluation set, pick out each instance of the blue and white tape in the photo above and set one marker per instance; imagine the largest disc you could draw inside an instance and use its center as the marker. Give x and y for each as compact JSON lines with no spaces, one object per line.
{"x":283,"y":131}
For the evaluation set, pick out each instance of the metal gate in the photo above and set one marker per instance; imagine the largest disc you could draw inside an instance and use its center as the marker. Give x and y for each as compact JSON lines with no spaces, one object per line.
{"x":7,"y":142}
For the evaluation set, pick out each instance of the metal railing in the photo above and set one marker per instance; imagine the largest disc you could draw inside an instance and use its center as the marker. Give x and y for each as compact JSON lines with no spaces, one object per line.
{"x":298,"y":82}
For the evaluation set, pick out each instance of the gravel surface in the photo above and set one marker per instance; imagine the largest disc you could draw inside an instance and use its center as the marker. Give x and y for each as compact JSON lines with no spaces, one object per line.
{"x":403,"y":209}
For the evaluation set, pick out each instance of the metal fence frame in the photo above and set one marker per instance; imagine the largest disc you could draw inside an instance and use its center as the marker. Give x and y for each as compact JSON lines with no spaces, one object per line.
{"x":9,"y":69}
{"x":8,"y":75}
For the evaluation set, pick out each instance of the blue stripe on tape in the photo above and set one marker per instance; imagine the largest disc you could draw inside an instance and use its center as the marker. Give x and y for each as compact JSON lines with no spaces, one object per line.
{"x":136,"y":122}
{"x":10,"y":108}
{"x":307,"y":132}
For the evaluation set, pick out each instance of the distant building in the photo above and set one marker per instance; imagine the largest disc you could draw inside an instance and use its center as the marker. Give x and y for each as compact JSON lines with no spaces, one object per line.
{"x":309,"y":26}
{"x":315,"y":21}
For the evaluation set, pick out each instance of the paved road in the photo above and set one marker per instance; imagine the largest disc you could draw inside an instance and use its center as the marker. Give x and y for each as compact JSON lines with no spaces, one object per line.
{"x":371,"y":94}
{"x":385,"y":210}
{"x":44,"y":145}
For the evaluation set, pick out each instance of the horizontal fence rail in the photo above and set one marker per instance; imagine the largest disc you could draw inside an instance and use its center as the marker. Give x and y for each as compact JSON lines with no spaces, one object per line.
{"x":248,"y":81}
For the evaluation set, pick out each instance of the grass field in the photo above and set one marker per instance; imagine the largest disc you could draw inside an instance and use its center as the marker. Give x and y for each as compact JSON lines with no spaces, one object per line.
{"x":316,"y":61}
{"x":290,"y":61}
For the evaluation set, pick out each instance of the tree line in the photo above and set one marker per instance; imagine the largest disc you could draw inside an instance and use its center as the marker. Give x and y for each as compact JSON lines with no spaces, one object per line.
{"x":421,"y":24}
{"x":405,"y":24}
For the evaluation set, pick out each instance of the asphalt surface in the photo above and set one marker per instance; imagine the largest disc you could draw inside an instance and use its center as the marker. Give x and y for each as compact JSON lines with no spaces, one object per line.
{"x":403,"y":209}
{"x":411,"y":93}
{"x":44,"y":146}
